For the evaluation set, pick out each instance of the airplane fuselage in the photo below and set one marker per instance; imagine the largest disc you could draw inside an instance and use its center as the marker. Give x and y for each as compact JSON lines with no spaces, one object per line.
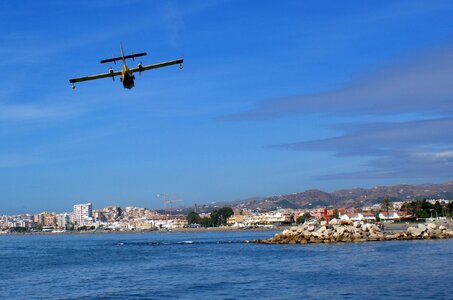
{"x":127,"y":78}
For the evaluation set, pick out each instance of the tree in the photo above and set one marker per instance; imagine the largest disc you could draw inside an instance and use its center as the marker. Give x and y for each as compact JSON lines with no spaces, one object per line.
{"x":438,"y":208}
{"x":304,"y":218}
{"x":193,"y":218}
{"x":335,"y":214}
{"x":449,"y":209}
{"x":377,"y":216}
{"x":386,"y":205}
{"x":18,"y":229}
{"x":206,"y":222}
{"x":422,"y":208}
{"x":409,"y":208}
{"x":220,"y":216}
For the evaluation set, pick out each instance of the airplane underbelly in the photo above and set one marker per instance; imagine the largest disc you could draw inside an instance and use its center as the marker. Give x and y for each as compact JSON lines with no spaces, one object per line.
{"x":128,"y":81}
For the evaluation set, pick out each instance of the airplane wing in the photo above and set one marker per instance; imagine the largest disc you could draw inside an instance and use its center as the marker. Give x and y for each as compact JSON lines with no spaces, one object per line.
{"x":159,"y":65}
{"x":92,"y":77}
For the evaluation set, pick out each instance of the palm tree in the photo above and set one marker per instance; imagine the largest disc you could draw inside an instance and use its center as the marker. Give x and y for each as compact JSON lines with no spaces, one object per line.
{"x":386,"y":205}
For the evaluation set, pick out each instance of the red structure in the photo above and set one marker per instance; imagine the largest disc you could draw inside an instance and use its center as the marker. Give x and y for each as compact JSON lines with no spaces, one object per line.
{"x":326,"y":217}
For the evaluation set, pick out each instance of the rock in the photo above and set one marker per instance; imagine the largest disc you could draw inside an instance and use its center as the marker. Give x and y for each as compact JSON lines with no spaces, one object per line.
{"x":321,"y":229}
{"x":416,"y":232}
{"x":373,"y":237}
{"x":422,"y":226}
{"x":432,"y":226}
{"x":359,"y":240}
{"x":390,"y":237}
{"x":335,"y":222}
{"x":357,"y":235}
{"x":345,"y":222}
{"x":436,"y":233}
{"x":411,"y":228}
{"x":339,"y":231}
{"x":376,"y":228}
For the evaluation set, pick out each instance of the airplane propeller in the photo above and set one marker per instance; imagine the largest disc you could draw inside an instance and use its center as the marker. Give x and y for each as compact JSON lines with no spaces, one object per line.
{"x":111,"y":71}
{"x":140,"y":65}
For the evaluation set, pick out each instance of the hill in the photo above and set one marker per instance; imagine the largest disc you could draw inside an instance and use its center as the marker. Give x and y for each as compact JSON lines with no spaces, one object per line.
{"x":347,"y":197}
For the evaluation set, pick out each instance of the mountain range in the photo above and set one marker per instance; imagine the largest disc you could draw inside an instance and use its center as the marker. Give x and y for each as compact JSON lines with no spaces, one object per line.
{"x":347,"y":197}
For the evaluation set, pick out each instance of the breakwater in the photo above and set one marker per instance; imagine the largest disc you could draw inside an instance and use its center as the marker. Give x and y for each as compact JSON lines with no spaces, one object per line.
{"x":339,"y":231}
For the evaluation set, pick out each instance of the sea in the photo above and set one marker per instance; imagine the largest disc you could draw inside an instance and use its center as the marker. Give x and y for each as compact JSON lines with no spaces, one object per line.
{"x":219,"y":265}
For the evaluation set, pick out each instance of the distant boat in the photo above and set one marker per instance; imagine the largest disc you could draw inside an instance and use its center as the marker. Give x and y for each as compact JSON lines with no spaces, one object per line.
{"x":58,"y":231}
{"x":47,"y":228}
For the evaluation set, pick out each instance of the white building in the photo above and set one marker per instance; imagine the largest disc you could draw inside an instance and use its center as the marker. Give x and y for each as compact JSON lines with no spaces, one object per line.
{"x":83,"y":214}
{"x":63,"y":220}
{"x":361,"y":216}
{"x":391,"y":215}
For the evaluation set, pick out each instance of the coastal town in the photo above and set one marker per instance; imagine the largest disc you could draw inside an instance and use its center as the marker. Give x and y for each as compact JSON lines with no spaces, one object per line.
{"x":83,"y":218}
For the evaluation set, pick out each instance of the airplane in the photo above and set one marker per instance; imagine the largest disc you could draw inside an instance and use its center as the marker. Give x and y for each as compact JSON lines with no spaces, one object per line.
{"x":127,"y":75}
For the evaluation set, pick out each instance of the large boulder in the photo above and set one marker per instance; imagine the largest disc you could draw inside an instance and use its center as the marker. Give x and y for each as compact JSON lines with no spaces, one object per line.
{"x":321,"y":229}
{"x":432,"y":226}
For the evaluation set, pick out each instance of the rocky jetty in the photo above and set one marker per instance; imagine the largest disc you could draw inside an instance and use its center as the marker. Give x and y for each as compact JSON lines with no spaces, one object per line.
{"x":347,"y":231}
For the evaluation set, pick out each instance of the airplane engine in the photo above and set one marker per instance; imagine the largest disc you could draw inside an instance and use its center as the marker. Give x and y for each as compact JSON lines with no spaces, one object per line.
{"x":111,"y":73}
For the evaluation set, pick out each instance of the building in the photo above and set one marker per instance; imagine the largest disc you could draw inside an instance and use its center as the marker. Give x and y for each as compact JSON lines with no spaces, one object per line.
{"x":83,"y":214}
{"x":391,"y":215}
{"x":63,"y":220}
{"x":236,"y":220}
{"x":361,"y":216}
{"x":49,"y":219}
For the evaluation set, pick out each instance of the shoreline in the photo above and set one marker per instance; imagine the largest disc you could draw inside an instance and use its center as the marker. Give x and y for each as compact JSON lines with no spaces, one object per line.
{"x":390,"y":228}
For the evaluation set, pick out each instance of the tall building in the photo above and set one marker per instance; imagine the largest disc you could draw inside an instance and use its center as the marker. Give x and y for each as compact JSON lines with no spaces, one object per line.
{"x":83,"y":214}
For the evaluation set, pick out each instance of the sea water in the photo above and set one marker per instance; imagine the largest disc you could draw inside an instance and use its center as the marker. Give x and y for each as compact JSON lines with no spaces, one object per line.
{"x":217,"y":265}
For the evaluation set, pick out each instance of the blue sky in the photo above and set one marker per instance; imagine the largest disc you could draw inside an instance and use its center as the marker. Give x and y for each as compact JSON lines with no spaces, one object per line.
{"x":273,"y":99}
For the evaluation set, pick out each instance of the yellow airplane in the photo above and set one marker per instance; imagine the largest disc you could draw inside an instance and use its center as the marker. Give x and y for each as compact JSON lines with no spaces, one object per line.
{"x":127,"y":75}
